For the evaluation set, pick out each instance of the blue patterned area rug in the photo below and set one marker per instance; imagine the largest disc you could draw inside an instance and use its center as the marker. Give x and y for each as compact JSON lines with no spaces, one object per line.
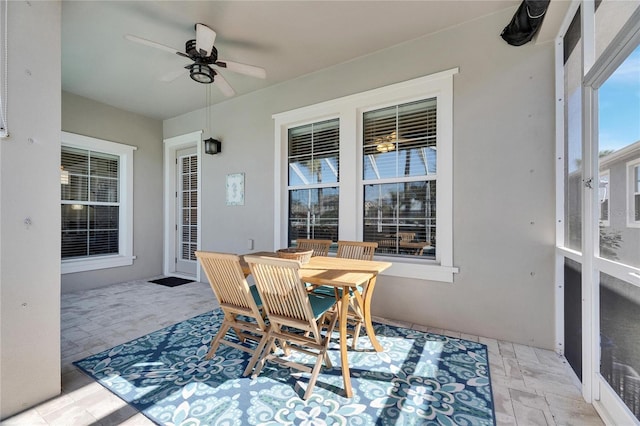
{"x":419,"y":379}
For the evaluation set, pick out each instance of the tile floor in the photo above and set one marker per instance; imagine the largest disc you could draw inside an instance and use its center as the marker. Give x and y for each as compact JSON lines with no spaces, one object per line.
{"x":530,"y":386}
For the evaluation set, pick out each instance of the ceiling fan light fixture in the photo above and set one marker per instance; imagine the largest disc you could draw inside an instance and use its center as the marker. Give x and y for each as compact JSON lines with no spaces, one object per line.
{"x":386,"y":143}
{"x":201,"y":73}
{"x":204,"y":55}
{"x":385,"y":147}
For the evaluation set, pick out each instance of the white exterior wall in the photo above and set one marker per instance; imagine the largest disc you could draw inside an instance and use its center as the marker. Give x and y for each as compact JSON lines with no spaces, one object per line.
{"x":30,"y":188}
{"x":503,"y":212}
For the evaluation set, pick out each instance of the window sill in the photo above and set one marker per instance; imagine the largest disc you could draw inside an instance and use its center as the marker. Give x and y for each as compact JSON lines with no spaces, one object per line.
{"x":420,"y":271}
{"x":92,"y":264}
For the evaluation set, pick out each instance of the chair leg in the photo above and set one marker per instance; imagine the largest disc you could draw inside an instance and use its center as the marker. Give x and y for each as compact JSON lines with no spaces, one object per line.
{"x":322,"y":358}
{"x":314,"y":375}
{"x":358,"y":312}
{"x":216,"y":340}
{"x":263,"y":359}
{"x":327,"y":339}
{"x":256,"y":355}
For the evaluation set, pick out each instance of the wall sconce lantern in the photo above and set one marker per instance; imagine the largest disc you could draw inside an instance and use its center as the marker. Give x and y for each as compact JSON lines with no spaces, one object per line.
{"x":212,"y":146}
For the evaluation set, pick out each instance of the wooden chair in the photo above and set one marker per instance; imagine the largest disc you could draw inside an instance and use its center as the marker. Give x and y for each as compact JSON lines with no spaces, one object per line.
{"x":319,"y":247}
{"x":295,"y":317}
{"x":406,"y":236}
{"x":350,"y":250}
{"x":240,"y":303}
{"x":361,"y":250}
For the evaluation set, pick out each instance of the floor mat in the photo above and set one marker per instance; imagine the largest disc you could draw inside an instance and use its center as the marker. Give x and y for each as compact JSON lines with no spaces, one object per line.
{"x":171,"y":281}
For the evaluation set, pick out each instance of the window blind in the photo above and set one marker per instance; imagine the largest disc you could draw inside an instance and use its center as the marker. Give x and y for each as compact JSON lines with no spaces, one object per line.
{"x":400,"y":177}
{"x":90,"y":203}
{"x":314,"y":165}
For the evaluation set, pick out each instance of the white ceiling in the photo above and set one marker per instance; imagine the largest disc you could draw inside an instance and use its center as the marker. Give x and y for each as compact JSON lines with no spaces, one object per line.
{"x":287,"y":38}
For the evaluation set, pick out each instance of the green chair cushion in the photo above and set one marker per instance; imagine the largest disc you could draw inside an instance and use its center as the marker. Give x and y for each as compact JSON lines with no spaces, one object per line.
{"x":321,"y":304}
{"x":256,"y":295}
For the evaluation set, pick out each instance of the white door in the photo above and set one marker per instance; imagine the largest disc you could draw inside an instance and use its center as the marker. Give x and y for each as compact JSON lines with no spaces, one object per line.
{"x":186,"y":211}
{"x":617,"y":257}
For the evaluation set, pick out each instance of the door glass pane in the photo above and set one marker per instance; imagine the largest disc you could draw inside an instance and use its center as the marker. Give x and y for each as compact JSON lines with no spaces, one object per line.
{"x":573,"y":135}
{"x":573,"y":315}
{"x":619,"y":240}
{"x":620,"y":339}
{"x":619,"y":161}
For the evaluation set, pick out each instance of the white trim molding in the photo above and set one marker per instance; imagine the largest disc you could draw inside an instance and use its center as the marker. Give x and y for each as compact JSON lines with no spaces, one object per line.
{"x":171,"y":146}
{"x":125,"y":255}
{"x":349,"y":110}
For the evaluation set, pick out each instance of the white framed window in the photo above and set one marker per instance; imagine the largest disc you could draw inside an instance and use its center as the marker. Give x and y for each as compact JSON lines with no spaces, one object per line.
{"x":399,"y":156}
{"x":633,"y":189}
{"x":313,"y":157}
{"x":395,"y":147}
{"x":604,"y":189}
{"x":96,"y":188}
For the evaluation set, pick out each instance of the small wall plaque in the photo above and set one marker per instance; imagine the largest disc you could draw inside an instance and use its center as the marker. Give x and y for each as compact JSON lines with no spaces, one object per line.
{"x":235,"y":189}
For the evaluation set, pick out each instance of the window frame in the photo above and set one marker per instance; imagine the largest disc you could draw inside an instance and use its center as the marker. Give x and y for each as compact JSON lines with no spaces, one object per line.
{"x":349,"y":110}
{"x":125,"y":255}
{"x":632,"y":166}
{"x":398,"y":179}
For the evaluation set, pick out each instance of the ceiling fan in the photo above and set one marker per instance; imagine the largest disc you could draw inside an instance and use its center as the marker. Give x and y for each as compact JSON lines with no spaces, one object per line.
{"x":205,"y":57}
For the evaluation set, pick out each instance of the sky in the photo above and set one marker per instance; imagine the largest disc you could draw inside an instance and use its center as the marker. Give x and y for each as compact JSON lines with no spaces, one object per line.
{"x":619,"y":105}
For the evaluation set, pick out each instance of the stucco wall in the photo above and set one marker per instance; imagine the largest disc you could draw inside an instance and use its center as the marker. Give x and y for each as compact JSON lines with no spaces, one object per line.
{"x":89,"y":118}
{"x":503,"y":176}
{"x":30,"y":191}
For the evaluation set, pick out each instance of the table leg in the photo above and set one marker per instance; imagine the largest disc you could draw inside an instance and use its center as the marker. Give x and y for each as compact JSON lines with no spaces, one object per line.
{"x":368,"y":294}
{"x":344,"y":360}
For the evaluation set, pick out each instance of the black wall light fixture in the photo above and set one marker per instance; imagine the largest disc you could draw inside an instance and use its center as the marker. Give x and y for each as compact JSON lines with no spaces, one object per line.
{"x":212,"y":146}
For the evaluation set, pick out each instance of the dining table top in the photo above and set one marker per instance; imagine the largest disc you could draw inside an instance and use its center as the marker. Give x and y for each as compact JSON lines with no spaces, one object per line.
{"x":334,"y":271}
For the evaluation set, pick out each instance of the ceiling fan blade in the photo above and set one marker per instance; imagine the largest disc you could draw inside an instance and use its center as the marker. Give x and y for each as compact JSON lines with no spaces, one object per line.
{"x":205,"y":37}
{"x":224,"y":87}
{"x":245,"y":69}
{"x":170,"y":76}
{"x":150,"y":43}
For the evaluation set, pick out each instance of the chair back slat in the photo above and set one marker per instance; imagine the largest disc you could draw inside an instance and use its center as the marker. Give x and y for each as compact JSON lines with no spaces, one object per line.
{"x":361,"y":250}
{"x":406,"y":236}
{"x":319,"y":247}
{"x":282,"y":292}
{"x":226,"y":278}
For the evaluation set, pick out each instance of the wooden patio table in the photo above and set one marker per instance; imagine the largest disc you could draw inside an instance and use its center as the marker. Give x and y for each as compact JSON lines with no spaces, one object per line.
{"x":346,"y":274}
